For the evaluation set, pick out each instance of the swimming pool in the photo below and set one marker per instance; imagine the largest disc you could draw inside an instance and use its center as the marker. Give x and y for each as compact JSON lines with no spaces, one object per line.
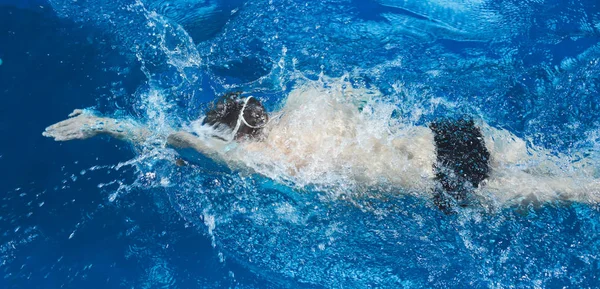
{"x":103,"y":214}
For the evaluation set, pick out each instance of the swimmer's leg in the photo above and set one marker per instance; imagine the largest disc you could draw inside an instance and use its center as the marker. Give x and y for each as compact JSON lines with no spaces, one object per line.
{"x":517,"y":188}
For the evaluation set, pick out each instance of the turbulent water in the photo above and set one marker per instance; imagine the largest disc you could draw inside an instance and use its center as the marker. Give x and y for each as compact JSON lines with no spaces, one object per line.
{"x":531,"y":67}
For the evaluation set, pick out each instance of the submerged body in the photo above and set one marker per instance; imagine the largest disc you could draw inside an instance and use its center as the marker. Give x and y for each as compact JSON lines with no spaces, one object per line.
{"x":343,"y":141}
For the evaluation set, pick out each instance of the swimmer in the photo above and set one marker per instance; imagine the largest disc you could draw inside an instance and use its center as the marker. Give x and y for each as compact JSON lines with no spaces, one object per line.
{"x":321,"y":138}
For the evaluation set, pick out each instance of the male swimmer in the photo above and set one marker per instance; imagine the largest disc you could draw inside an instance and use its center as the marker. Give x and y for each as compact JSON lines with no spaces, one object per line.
{"x":321,"y":138}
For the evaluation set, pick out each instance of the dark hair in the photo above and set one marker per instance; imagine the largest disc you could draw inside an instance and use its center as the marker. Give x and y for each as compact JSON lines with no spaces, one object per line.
{"x":226,"y":111}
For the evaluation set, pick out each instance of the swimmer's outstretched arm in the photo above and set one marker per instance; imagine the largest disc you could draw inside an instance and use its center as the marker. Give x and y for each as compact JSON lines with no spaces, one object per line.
{"x":83,"y":125}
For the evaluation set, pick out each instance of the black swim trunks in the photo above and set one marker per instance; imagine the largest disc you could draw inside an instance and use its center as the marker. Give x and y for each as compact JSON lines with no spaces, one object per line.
{"x":462,"y":161}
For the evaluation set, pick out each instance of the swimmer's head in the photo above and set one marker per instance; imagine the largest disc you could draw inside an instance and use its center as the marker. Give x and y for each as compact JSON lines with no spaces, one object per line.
{"x":245,"y":116}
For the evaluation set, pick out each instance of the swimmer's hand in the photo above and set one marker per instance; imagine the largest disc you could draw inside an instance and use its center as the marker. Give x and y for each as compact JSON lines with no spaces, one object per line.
{"x":79,"y":125}
{"x":83,"y":124}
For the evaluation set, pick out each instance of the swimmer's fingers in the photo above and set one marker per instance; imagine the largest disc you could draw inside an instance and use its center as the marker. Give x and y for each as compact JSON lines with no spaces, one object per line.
{"x":64,"y":133}
{"x":77,"y":116}
{"x":68,"y":134}
{"x":65,"y":123}
{"x":79,"y":127}
{"x":78,"y":120}
{"x":64,"y":136}
{"x":55,"y":134}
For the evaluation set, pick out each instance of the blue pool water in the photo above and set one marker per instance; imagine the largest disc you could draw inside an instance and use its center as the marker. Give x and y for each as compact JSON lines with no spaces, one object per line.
{"x":100,"y":213}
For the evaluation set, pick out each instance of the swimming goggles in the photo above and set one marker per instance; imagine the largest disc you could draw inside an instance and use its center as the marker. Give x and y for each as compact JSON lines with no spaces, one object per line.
{"x":241,"y":120}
